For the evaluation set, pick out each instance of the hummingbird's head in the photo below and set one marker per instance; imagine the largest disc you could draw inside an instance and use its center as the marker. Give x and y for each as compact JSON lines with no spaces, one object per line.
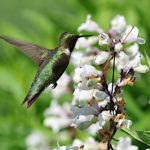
{"x":68,"y":40}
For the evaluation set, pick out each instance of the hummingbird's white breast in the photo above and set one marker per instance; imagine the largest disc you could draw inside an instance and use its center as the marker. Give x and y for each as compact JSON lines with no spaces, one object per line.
{"x":67,"y":52}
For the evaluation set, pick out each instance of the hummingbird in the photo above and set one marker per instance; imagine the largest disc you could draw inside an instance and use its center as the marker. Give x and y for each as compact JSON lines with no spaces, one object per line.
{"x":52,"y":62}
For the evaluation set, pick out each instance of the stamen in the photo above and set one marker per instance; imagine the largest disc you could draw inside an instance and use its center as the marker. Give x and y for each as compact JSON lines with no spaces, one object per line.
{"x":127,"y":35}
{"x":107,"y":63}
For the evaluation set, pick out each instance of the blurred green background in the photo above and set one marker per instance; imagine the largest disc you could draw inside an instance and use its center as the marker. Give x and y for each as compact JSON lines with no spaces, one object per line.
{"x":41,"y":22}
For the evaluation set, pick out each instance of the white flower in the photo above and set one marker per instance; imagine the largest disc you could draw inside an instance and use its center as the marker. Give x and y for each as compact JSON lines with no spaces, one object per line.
{"x":122,"y":60}
{"x":84,"y":116}
{"x":94,"y":128}
{"x":89,"y":71}
{"x":93,"y":40}
{"x":90,"y":26}
{"x":83,"y":122}
{"x":36,"y":140}
{"x":124,"y":123}
{"x":67,"y":148}
{"x":85,"y":71}
{"x":125,"y":144}
{"x":118,"y":24}
{"x":83,"y":95}
{"x":101,"y":57}
{"x":125,"y":61}
{"x":132,"y":37}
{"x":104,"y":39}
{"x":59,"y":110}
{"x":86,"y":95}
{"x":132,"y":50}
{"x":78,"y":74}
{"x":63,"y":86}
{"x":82,"y":43}
{"x":100,"y":95}
{"x":89,"y":144}
{"x":104,"y":117}
{"x":76,"y":58}
{"x":77,"y":142}
{"x":81,"y":58}
{"x":57,"y":117}
{"x":56,"y":123}
{"x":83,"y":110}
{"x":141,"y":69}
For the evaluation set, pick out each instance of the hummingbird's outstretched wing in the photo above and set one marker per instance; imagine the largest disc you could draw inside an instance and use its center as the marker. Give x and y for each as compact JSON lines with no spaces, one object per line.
{"x":35,"y":52}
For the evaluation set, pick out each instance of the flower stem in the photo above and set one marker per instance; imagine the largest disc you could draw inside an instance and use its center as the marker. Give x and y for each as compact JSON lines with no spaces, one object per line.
{"x":113,"y":76}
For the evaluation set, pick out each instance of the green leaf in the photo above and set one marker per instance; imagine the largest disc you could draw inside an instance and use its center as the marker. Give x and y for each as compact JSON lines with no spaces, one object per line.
{"x":142,"y":136}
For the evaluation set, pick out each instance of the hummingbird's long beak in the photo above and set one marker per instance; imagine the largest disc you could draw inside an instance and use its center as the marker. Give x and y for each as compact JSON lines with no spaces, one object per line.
{"x":84,"y":36}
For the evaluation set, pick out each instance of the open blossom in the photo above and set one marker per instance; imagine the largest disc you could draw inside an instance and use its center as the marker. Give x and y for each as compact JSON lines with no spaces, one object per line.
{"x":36,"y":140}
{"x":125,"y":144}
{"x":81,"y":58}
{"x":101,"y":57}
{"x":104,"y":39}
{"x":85,"y":72}
{"x":83,"y":43}
{"x":90,"y":26}
{"x":84,"y":116}
{"x":89,"y":144}
{"x":118,"y":24}
{"x":87,"y":78}
{"x":133,"y":36}
{"x":119,"y":35}
{"x":86,"y":56}
{"x":57,"y":117}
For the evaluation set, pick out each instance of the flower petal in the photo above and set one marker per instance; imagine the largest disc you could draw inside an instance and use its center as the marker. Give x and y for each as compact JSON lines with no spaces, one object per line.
{"x":90,"y":26}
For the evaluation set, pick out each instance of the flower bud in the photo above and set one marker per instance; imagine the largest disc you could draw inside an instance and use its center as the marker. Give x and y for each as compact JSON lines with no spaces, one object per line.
{"x":101,"y":58}
{"x":129,"y":81}
{"x":119,"y":117}
{"x":142,"y":69}
{"x":118,"y":47}
{"x":120,"y":101}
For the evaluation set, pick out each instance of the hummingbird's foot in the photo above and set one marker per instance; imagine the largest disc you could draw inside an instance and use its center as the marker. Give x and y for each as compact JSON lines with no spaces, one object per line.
{"x":54,"y":85}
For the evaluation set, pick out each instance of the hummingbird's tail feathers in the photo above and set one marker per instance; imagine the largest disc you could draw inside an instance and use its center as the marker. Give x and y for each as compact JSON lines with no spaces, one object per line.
{"x":30,"y":100}
{"x":25,"y":100}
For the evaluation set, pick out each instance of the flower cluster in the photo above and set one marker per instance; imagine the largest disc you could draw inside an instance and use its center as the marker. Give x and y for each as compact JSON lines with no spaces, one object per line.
{"x":90,"y":143}
{"x":37,"y":141}
{"x":57,"y":117}
{"x":98,"y":104}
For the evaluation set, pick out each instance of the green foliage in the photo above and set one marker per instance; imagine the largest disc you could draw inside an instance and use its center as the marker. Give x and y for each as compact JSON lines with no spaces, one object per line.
{"x":42,"y":22}
{"x":142,"y":136}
